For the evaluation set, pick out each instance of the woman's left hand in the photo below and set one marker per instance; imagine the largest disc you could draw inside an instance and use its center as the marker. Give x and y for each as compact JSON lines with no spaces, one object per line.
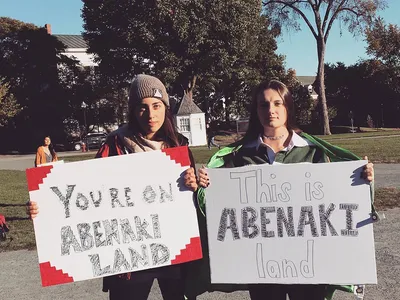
{"x":368,"y":173}
{"x":190,"y":179}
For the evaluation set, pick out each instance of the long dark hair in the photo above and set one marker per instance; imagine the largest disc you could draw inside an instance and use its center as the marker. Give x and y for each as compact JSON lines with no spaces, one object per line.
{"x":167,"y":133}
{"x":51,"y":147}
{"x":255,"y":127}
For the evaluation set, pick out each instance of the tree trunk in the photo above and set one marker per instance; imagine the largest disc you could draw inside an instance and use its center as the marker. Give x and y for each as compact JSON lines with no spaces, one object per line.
{"x":321,"y":85}
{"x":229,"y":99}
{"x":190,"y":86}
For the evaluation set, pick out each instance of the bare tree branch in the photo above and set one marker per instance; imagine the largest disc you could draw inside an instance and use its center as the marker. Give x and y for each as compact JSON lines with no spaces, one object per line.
{"x":333,"y":18}
{"x":292,"y":6}
{"x":317,"y":17}
{"x":352,"y":11}
{"x":312,"y":3}
{"x":327,"y":13}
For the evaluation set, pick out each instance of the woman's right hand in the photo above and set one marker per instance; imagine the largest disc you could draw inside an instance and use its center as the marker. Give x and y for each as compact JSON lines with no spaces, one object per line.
{"x":204,"y":181}
{"x":32,"y":209}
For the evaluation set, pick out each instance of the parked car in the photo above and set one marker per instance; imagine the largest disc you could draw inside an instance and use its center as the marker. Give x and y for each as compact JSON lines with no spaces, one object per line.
{"x":68,"y":145}
{"x":94,"y":140}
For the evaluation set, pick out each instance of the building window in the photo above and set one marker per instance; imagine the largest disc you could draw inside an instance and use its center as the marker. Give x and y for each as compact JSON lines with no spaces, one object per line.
{"x":184,"y":124}
{"x":198,"y":123}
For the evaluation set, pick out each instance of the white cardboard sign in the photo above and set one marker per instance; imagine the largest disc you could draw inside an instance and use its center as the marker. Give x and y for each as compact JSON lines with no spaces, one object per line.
{"x":113,"y":215}
{"x":291,"y":224}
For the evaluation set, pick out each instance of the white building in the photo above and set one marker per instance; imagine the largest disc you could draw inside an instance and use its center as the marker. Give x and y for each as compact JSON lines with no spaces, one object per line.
{"x":191,"y":122}
{"x":75,"y":47}
{"x":308,"y":82}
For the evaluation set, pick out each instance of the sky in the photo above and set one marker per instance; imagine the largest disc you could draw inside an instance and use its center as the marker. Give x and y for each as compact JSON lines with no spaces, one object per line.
{"x":298,"y":47}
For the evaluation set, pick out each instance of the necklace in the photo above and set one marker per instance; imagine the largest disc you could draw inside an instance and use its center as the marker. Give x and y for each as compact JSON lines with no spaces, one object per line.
{"x":279,"y":137}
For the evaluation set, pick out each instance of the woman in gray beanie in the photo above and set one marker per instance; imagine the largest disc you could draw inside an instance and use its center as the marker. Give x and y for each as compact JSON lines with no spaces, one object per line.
{"x":150,"y":127}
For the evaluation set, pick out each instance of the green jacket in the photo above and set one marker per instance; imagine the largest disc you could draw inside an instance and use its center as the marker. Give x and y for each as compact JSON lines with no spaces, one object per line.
{"x":333,"y":153}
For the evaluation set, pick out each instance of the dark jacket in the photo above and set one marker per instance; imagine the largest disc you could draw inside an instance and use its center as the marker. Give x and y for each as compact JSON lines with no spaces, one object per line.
{"x":114,"y":145}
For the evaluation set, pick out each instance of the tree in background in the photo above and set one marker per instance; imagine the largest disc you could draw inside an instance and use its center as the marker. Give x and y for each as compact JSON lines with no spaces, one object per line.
{"x":40,"y":78}
{"x":366,"y":89}
{"x":223,"y":47}
{"x":384,"y":43}
{"x":9,"y":107}
{"x":303,"y":102}
{"x":370,"y":88}
{"x":319,"y":16}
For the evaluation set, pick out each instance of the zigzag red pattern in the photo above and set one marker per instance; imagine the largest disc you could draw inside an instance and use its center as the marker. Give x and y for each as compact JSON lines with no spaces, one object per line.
{"x":35,"y":176}
{"x":179,"y":155}
{"x":51,"y":276}
{"x":191,"y":252}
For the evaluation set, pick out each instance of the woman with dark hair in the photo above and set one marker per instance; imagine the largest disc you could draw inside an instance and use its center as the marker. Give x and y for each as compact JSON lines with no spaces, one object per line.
{"x":272,"y":138}
{"x":45,"y":153}
{"x":150,"y":127}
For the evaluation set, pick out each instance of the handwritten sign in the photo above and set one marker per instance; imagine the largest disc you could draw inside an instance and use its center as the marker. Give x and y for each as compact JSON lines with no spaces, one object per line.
{"x":298,"y":223}
{"x":113,"y":215}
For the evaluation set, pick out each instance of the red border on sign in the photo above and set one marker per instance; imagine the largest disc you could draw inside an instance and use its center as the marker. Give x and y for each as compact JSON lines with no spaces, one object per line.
{"x":51,"y":276}
{"x":35,"y":176}
{"x":179,"y":154}
{"x":191,"y":252}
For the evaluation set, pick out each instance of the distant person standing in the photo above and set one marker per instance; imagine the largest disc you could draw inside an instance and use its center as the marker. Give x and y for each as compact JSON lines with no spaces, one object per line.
{"x":3,"y":228}
{"x":45,"y":153}
{"x":210,"y":138}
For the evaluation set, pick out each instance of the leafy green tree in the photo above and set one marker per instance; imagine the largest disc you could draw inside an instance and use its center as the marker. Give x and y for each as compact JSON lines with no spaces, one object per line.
{"x":9,"y":107}
{"x":303,"y":102}
{"x":224,"y":46}
{"x":39,"y":77}
{"x":366,"y":89}
{"x":319,"y":16}
{"x":384,"y":43}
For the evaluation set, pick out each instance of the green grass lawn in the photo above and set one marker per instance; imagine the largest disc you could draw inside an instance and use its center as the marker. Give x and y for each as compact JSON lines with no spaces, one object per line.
{"x":378,"y":150}
{"x":202,"y":154}
{"x":77,"y":158}
{"x":380,"y":146}
{"x":14,"y":195}
{"x":360,"y":134}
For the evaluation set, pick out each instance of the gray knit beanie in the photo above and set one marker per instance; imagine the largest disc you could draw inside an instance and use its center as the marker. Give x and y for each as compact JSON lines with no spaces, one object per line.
{"x":146,"y":86}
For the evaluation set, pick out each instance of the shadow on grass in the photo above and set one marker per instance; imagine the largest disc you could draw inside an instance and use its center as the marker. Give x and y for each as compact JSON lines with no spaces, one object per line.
{"x":16,"y":218}
{"x":11,"y":205}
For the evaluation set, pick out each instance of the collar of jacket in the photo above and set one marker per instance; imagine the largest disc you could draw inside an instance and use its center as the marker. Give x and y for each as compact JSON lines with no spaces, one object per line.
{"x":334,"y":153}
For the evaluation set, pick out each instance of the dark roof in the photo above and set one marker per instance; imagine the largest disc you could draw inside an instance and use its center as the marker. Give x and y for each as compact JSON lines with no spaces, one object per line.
{"x":71,"y":41}
{"x":187,"y":107}
{"x":306,"y":80}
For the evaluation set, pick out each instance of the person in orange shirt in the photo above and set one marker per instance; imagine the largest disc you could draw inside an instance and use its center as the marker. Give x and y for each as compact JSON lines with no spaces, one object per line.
{"x":45,"y":153}
{"x":3,"y":228}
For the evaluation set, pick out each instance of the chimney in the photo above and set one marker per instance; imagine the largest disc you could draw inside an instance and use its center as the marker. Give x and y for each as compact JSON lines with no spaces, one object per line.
{"x":48,"y":28}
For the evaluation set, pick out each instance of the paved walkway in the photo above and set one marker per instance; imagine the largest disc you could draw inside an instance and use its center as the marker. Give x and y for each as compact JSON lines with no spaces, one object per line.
{"x":20,"y":279}
{"x":366,"y":137}
{"x":22,"y":162}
